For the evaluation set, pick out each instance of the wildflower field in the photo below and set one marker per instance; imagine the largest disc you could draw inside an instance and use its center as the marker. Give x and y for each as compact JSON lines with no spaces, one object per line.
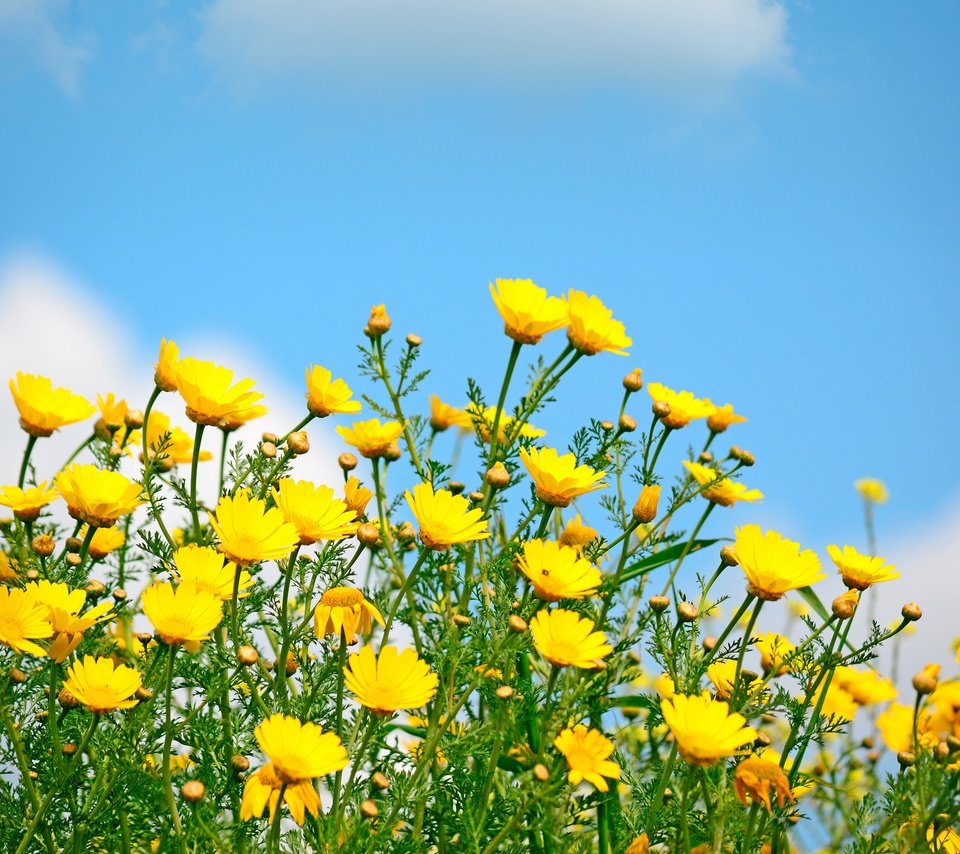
{"x":511,"y":644}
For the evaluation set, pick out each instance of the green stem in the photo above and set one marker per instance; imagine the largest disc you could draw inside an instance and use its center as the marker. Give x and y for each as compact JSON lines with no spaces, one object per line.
{"x":223,"y":459}
{"x":273,"y":841}
{"x":85,"y":548}
{"x":167,"y":742}
{"x":77,"y":451}
{"x":193,"y":478}
{"x":747,"y":633}
{"x":508,"y":375}
{"x":404,"y":590}
{"x":31,"y":441}
{"x":729,"y":628}
{"x":148,"y":468}
{"x":281,"y":678}
{"x":397,"y":409}
{"x":689,"y":546}
{"x":653,"y":815}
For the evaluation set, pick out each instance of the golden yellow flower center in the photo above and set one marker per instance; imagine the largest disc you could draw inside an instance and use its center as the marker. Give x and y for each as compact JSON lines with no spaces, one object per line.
{"x":341,"y":597}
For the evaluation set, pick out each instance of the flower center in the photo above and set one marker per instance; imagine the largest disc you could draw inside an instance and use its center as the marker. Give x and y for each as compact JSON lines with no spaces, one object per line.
{"x":341,"y":597}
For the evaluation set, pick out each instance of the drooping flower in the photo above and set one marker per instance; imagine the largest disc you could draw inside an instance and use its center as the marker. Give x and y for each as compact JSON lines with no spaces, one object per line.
{"x":44,"y":408}
{"x":26,"y":504}
{"x":773,"y":564}
{"x":705,"y":729}
{"x":170,"y":442}
{"x":755,"y":779}
{"x":249,"y":532}
{"x":371,"y":438}
{"x":104,"y":541}
{"x":445,"y":519}
{"x":395,"y":680}
{"x":443,"y":416}
{"x":576,"y":534}
{"x":774,"y":649}
{"x":592,"y":328}
{"x":557,"y":572}
{"x":872,"y":490}
{"x":165,"y":368}
{"x":347,"y":610}
{"x":314,"y":511}
{"x":100,"y":686}
{"x":721,"y":490}
{"x":181,"y":615}
{"x":299,"y":751}
{"x":865,"y":686}
{"x":483,"y":422}
{"x":212,"y":397}
{"x":558,"y":478}
{"x":22,"y":621}
{"x":97,"y":496}
{"x":328,"y":396}
{"x":587,"y":752}
{"x":684,"y":407}
{"x":112,"y":412}
{"x":356,"y":496}
{"x":528,"y":313}
{"x":203,"y":568}
{"x":722,"y":417}
{"x":566,"y":639}
{"x":859,"y":571}
{"x":264,"y":785}
{"x":63,"y":607}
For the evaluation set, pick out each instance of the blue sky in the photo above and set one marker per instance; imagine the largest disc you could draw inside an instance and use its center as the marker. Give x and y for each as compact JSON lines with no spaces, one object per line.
{"x":766,"y":194}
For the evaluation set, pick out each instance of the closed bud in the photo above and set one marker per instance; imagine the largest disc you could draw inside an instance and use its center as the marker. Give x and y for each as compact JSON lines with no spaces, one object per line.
{"x":626,"y":424}
{"x":95,"y":589}
{"x":414,"y":340}
{"x":379,"y":322}
{"x":687,"y":612}
{"x":867,"y":742}
{"x":144,"y":637}
{"x":33,"y":575}
{"x":74,"y":544}
{"x":239,"y":763}
{"x":67,"y":700}
{"x":298,"y":442}
{"x":541,"y":772}
{"x":392,"y":453}
{"x":143,"y":693}
{"x":347,"y":461}
{"x":606,"y":425}
{"x":68,"y":749}
{"x":926,"y":681}
{"x":633,"y":381}
{"x":661,"y":409}
{"x":369,"y":809}
{"x":290,"y":666}
{"x":268,"y":450}
{"x":645,"y":510}
{"x":380,"y":781}
{"x":406,"y":533}
{"x":247,"y":656}
{"x":461,"y":620}
{"x":728,"y":555}
{"x":705,"y":457}
{"x":119,"y":594}
{"x":193,"y":791}
{"x":476,"y":496}
{"x":942,"y":751}
{"x":762,"y":740}
{"x":873,"y":756}
{"x":517,"y":624}
{"x":659,"y":603}
{"x":271,"y":437}
{"x":708,"y":643}
{"x":18,"y":676}
{"x":133,"y":420}
{"x":911,"y":611}
{"x":746,"y":458}
{"x":368,"y":534}
{"x":498,"y":476}
{"x":43,"y":545}
{"x":906,"y":759}
{"x":845,"y":605}
{"x":504,"y":692}
{"x":73,"y":559}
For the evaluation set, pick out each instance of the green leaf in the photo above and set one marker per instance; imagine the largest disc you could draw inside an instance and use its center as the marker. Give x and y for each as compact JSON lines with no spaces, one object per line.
{"x":667,"y":555}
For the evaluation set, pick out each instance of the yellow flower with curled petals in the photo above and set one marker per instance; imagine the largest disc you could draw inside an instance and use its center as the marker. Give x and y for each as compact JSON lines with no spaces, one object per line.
{"x":872,"y":490}
{"x":445,"y":519}
{"x":264,"y":786}
{"x":859,"y":571}
{"x":721,"y":490}
{"x":26,"y":504}
{"x":558,"y":478}
{"x":328,"y":396}
{"x":865,"y":686}
{"x":63,"y":606}
{"x":112,"y":413}
{"x":483,"y":422}
{"x":347,"y":610}
{"x":96,"y":496}
{"x":705,"y":729}
{"x":773,"y":564}
{"x":592,"y":328}
{"x":44,"y":408}
{"x":587,"y":752}
{"x":371,"y":438}
{"x":165,"y":368}
{"x":392,"y":681}
{"x":203,"y":568}
{"x":314,"y":511}
{"x":249,"y":532}
{"x":528,"y":313}
{"x":577,"y":534}
{"x":566,"y":639}
{"x":774,"y":649}
{"x":722,"y":417}
{"x":100,"y":686}
{"x":170,"y":442}
{"x":557,"y":572}
{"x":23,"y":620}
{"x":299,"y":751}
{"x":211,"y":396}
{"x":756,"y":779}
{"x":684,"y":407}
{"x":443,"y":416}
{"x":105,"y":541}
{"x":181,"y":615}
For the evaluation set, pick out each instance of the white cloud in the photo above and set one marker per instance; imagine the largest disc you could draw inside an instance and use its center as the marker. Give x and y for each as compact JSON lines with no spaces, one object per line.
{"x":695,"y":46}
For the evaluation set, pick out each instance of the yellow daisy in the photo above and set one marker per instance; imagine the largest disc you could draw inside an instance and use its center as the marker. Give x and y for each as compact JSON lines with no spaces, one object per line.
{"x":104,"y":542}
{"x":100,"y":686}
{"x":557,"y":572}
{"x":774,"y":650}
{"x":314,"y":511}
{"x":722,"y":490}
{"x":327,"y":396}
{"x":26,"y":504}
{"x":249,"y":532}
{"x":63,"y":606}
{"x":443,"y":416}
{"x":181,"y":615}
{"x":299,"y":751}
{"x":264,"y":785}
{"x":203,"y":568}
{"x":528,"y":313}
{"x":721,"y":674}
{"x":576,"y":534}
{"x":483,"y":422}
{"x":178,"y":447}
{"x":112,"y":413}
{"x":23,"y":620}
{"x":165,"y":368}
{"x":558,"y":478}
{"x":860,"y":571}
{"x":684,"y":407}
{"x":212,"y":397}
{"x":865,"y":686}
{"x":97,"y":496}
{"x":445,"y":519}
{"x":705,"y":729}
{"x":756,"y":778}
{"x":395,"y":680}
{"x":371,"y":438}
{"x":592,"y":328}
{"x":587,"y":752}
{"x":44,"y":408}
{"x":356,"y":496}
{"x":566,"y":639}
{"x":772,"y":564}
{"x":722,"y":417}
{"x":872,"y":490}
{"x":345,"y":609}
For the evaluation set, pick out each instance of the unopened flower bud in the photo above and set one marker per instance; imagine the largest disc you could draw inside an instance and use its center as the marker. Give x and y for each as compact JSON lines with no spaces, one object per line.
{"x":867,"y":742}
{"x":74,"y":544}
{"x":43,"y":545}
{"x":504,"y":692}
{"x":33,"y":575}
{"x":119,"y":594}
{"x":541,"y":772}
{"x":72,"y":559}
{"x":143,"y":693}
{"x":392,"y":453}
{"x":268,"y":450}
{"x":379,"y":322}
{"x":406,"y":533}
{"x":95,"y":589}
{"x":906,"y":759}
{"x":67,"y":700}
{"x":456,"y":487}
{"x":845,"y":605}
{"x":193,"y":791}
{"x":634,"y":380}
{"x":746,"y":458}
{"x":369,"y":809}
{"x":705,"y":457}
{"x":687,"y":612}
{"x":762,"y":740}
{"x":873,"y":756}
{"x":247,"y":656}
{"x":298,"y":442}
{"x":414,"y":340}
{"x":606,"y":425}
{"x":368,"y":534}
{"x":626,"y":424}
{"x":144,"y":637}
{"x":18,"y":676}
{"x":659,"y":603}
{"x":271,"y":437}
{"x":476,"y":497}
{"x":347,"y":461}
{"x":461,"y":620}
{"x":708,"y":643}
{"x":68,"y":749}
{"x":517,"y":624}
{"x":942,"y":751}
{"x":661,"y":409}
{"x":380,"y":781}
{"x":497,"y":476}
{"x":239,"y":762}
{"x":911,"y":611}
{"x":645,"y":510}
{"x":290,"y":666}
{"x":728,"y":555}
{"x":926,"y":681}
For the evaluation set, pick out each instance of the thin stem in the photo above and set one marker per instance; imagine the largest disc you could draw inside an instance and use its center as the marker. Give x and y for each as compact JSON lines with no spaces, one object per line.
{"x":729,"y":628}
{"x":397,"y":409}
{"x":223,"y":458}
{"x":85,"y":548}
{"x":31,"y":441}
{"x":193,"y":478}
{"x":404,"y":590}
{"x":507,"y":376}
{"x":687,"y":548}
{"x":148,"y":467}
{"x":747,"y":632}
{"x":654,"y":813}
{"x":281,"y":680}
{"x":167,"y":741}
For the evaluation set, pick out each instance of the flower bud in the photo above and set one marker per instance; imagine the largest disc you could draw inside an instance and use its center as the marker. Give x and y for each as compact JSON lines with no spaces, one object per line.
{"x":687,"y":612}
{"x":268,"y":450}
{"x":380,"y":781}
{"x":461,"y":620}
{"x":239,"y":762}
{"x":95,"y":589}
{"x":504,"y":692}
{"x":911,"y":611}
{"x":626,"y":424}
{"x":926,"y":681}
{"x":74,"y":544}
{"x":645,"y":510}
{"x":72,"y":559}
{"x":119,"y":594}
{"x":143,"y":693}
{"x":247,"y":656}
{"x":271,"y":437}
{"x":68,"y":749}
{"x":379,"y":322}
{"x":705,"y":457}
{"x":290,"y":666}
{"x":517,"y":624}
{"x":708,"y":643}
{"x":497,"y":476}
{"x":193,"y":791}
{"x":369,"y":809}
{"x":747,"y":459}
{"x":67,"y":700}
{"x":942,"y":751}
{"x":633,"y":381}
{"x":414,"y":340}
{"x":456,"y":487}
{"x":18,"y":676}
{"x":392,"y":453}
{"x":906,"y":759}
{"x":144,"y":637}
{"x":298,"y":443}
{"x":661,"y":409}
{"x":368,"y":534}
{"x":728,"y":555}
{"x":347,"y":461}
{"x":659,"y":603}
{"x":845,"y":605}
{"x":541,"y":772}
{"x":476,"y":496}
{"x":607,"y":425}
{"x":43,"y":545}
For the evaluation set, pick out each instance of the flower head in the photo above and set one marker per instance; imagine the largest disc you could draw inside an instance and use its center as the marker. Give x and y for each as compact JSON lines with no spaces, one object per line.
{"x":592,"y":328}
{"x":181,"y":615}
{"x":558,"y":572}
{"x":97,"y":496}
{"x":8,"y":569}
{"x":755,"y":779}
{"x":314,"y":511}
{"x":860,"y":571}
{"x":722,"y":673}
{"x":872,"y":490}
{"x":63,"y":606}
{"x":203,"y":568}
{"x":528,"y":313}
{"x":249,"y":532}
{"x":264,"y":785}
{"x":112,"y":412}
{"x":212,"y":397}
{"x":443,"y":416}
{"x":23,"y":620}
{"x":895,"y":725}
{"x":165,"y":368}
{"x":169,"y":443}
{"x":721,"y":490}
{"x":564,"y":638}
{"x":371,"y":438}
{"x":299,"y":751}
{"x":865,"y":686}
{"x":347,"y":610}
{"x":587,"y":752}
{"x":445,"y":519}
{"x":44,"y":408}
{"x":483,"y":422}
{"x":327,"y":396}
{"x":395,"y":680}
{"x":26,"y":504}
{"x":722,"y":417}
{"x":558,"y":478}
{"x":356,"y":496}
{"x":772,"y":564}
{"x":100,"y":686}
{"x":705,"y":729}
{"x":576,"y":534}
{"x":684,"y":407}
{"x":774,"y":649}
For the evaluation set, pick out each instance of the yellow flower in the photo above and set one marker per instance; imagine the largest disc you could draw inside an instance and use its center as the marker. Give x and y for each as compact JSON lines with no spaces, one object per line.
{"x":264,"y":785}
{"x":379,"y":321}
{"x":640,"y":845}
{"x":565,"y":639}
{"x":722,"y":417}
{"x":587,"y":752}
{"x":356,"y":496}
{"x":664,"y":686}
{"x":754,"y":780}
{"x":528,"y":313}
{"x":202,"y":568}
{"x":774,"y":649}
{"x":178,"y":447}
{"x":27,"y":503}
{"x":314,"y":511}
{"x":101,"y":687}
{"x":97,"y":496}
{"x":722,"y":490}
{"x":63,"y":611}
{"x":327,"y":396}
{"x":895,"y":724}
{"x":22,"y":620}
{"x":443,"y":416}
{"x":705,"y":729}
{"x":249,"y":532}
{"x":872,"y":490}
{"x":946,"y":840}
{"x":112,"y":412}
{"x":576,"y":534}
{"x":371,"y":438}
{"x":865,"y":686}
{"x":44,"y":408}
{"x":592,"y":328}
{"x":345,"y":609}
{"x":837,"y":703}
{"x":721,"y":674}
{"x":772,"y":564}
{"x":8,"y":569}
{"x":165,"y":368}
{"x":645,"y":510}
{"x":557,"y":572}
{"x":684,"y":407}
{"x":558,"y":478}
{"x":445,"y":519}
{"x":396,"y":680}
{"x":483,"y":421}
{"x":860,"y":571}
{"x":182,"y":615}
{"x":299,"y":751}
{"x":945,"y":714}
{"x":105,"y":541}
{"x":211,"y":396}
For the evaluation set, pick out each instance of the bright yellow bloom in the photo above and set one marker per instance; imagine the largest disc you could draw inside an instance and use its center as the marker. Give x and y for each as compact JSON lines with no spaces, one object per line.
{"x":587,"y":752}
{"x":345,"y":609}
{"x":314,"y":511}
{"x":721,"y":674}
{"x":772,"y":564}
{"x":63,"y":607}
{"x":165,"y":368}
{"x":640,"y":845}
{"x":356,"y":496}
{"x":203,"y":568}
{"x":27,"y":503}
{"x":860,"y":571}
{"x":105,"y":541}
{"x":327,"y":396}
{"x":483,"y":421}
{"x":565,"y":639}
{"x":22,"y":620}
{"x":872,"y":490}
{"x":101,"y":687}
{"x":945,"y":709}
{"x":684,"y":407}
{"x":865,"y":686}
{"x":528,"y":313}
{"x":445,"y":519}
{"x":722,"y":417}
{"x":774,"y":649}
{"x":664,"y":686}
{"x":371,"y":438}
{"x":837,"y":703}
{"x":576,"y":534}
{"x":299,"y":751}
{"x":264,"y":785}
{"x":895,"y":724}
{"x":178,"y":447}
{"x":705,"y":729}
{"x":755,"y":778}
{"x":592,"y":328}
{"x":97,"y":496}
{"x":395,"y":680}
{"x":8,"y":569}
{"x":945,"y":841}
{"x":181,"y":615}
{"x":557,"y":572}
{"x":249,"y":532}
{"x":443,"y":416}
{"x":558,"y":478}
{"x":213,"y":398}
{"x":112,"y":412}
{"x":722,"y":490}
{"x":44,"y":408}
